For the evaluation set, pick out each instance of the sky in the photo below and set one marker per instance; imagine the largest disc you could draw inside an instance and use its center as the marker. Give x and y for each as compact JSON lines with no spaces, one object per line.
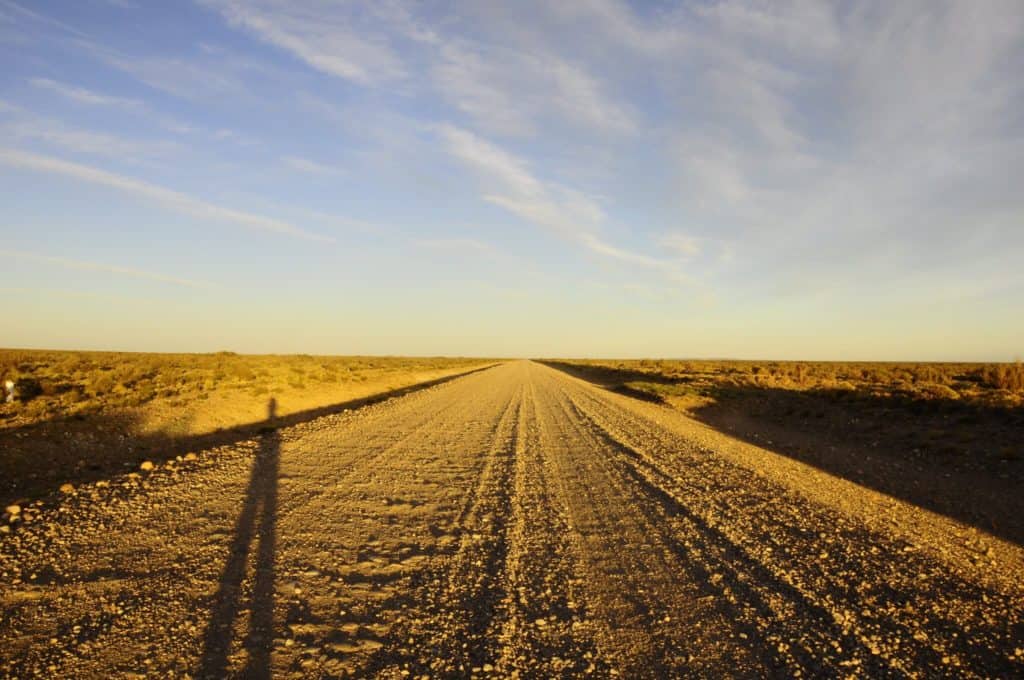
{"x":780,"y":180}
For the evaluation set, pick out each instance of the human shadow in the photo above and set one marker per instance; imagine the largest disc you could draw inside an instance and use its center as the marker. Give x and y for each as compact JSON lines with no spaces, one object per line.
{"x":256,"y":525}
{"x":38,"y":458}
{"x":959,"y":459}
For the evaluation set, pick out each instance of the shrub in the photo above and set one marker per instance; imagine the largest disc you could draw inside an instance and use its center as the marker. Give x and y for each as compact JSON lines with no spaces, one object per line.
{"x":37,"y":409}
{"x":76,"y":395}
{"x":27,"y":389}
{"x":937,"y":391}
{"x":102,"y":383}
{"x":1005,"y":376}
{"x":242,"y":372}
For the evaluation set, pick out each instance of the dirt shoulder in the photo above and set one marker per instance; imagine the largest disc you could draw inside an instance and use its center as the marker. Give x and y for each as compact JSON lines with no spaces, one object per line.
{"x":42,"y":455}
{"x":960,"y":458}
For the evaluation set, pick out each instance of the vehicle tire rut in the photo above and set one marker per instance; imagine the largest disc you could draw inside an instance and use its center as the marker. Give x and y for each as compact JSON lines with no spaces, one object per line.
{"x":514,"y":522}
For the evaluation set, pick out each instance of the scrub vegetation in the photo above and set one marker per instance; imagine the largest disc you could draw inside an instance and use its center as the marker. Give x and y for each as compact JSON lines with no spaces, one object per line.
{"x":980,"y":384}
{"x":82,"y":415}
{"x":511,"y":523}
{"x":962,"y":414}
{"x":84,"y":383}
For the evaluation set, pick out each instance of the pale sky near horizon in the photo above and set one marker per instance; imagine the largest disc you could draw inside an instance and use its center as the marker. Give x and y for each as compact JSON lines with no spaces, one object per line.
{"x":802,"y":180}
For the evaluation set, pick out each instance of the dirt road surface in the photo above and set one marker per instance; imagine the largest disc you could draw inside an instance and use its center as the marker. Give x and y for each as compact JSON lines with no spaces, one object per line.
{"x":516,"y":522}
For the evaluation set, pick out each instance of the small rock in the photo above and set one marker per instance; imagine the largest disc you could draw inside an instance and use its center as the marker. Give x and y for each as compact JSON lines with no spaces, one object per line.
{"x":146,"y":466}
{"x":67,"y":488}
{"x":191,"y":456}
{"x":13,"y":510}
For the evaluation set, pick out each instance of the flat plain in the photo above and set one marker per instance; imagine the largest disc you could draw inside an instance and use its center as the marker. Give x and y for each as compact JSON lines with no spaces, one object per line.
{"x":518,"y":521}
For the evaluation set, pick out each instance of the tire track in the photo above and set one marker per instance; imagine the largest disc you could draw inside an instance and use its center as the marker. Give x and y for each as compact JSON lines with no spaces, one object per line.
{"x":654,"y":616}
{"x":510,"y":523}
{"x":461,"y":597}
{"x":396,"y":513}
{"x":544,"y":633}
{"x":154,"y":546}
{"x":827,"y":594}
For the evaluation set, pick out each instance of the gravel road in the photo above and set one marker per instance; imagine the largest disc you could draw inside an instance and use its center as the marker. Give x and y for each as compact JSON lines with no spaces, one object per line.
{"x":515,"y":522}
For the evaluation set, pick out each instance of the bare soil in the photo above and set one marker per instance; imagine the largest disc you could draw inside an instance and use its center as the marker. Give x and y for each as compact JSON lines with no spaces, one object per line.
{"x":516,"y":522}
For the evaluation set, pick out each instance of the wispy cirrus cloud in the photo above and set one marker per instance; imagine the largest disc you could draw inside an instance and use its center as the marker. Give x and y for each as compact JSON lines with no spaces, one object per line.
{"x":567,"y":212}
{"x":202,"y":72}
{"x":505,"y":90}
{"x":89,"y":97}
{"x":83,"y":95}
{"x":13,"y":11}
{"x":512,"y":92}
{"x":510,"y":171}
{"x":844,"y":131}
{"x":682,"y":245}
{"x":310,"y":167}
{"x":340,"y":43}
{"x":82,"y":265}
{"x":59,"y":135}
{"x":169,"y":198}
{"x":765,"y":149}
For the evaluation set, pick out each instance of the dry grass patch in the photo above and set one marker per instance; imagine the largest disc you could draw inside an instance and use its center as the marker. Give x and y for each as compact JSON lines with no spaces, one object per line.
{"x":99,"y":411}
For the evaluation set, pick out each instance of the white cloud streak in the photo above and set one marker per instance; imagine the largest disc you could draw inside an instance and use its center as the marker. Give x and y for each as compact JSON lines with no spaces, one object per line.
{"x":566,"y":212}
{"x":88,"y":97}
{"x":490,"y":160}
{"x":38,"y":18}
{"x":309,"y":167}
{"x":169,"y":198}
{"x":59,"y":135}
{"x":503,"y":89}
{"x":68,"y":263}
{"x":683,"y":245}
{"x":82,"y":95}
{"x":881,"y":129}
{"x":510,"y":92}
{"x":334,"y":43}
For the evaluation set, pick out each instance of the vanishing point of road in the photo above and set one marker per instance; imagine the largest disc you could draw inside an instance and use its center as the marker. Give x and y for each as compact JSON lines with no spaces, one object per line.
{"x":514,"y":522}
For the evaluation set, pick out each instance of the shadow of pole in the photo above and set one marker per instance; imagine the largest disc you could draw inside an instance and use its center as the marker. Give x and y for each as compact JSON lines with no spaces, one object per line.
{"x":256,"y":522}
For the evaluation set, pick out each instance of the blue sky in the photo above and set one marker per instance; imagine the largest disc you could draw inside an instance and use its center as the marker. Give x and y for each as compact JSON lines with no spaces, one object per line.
{"x":737,"y":178}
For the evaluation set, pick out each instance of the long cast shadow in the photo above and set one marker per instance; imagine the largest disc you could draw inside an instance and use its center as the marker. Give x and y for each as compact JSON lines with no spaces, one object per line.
{"x":38,"y":458}
{"x":256,"y":523}
{"x":940,"y":454}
